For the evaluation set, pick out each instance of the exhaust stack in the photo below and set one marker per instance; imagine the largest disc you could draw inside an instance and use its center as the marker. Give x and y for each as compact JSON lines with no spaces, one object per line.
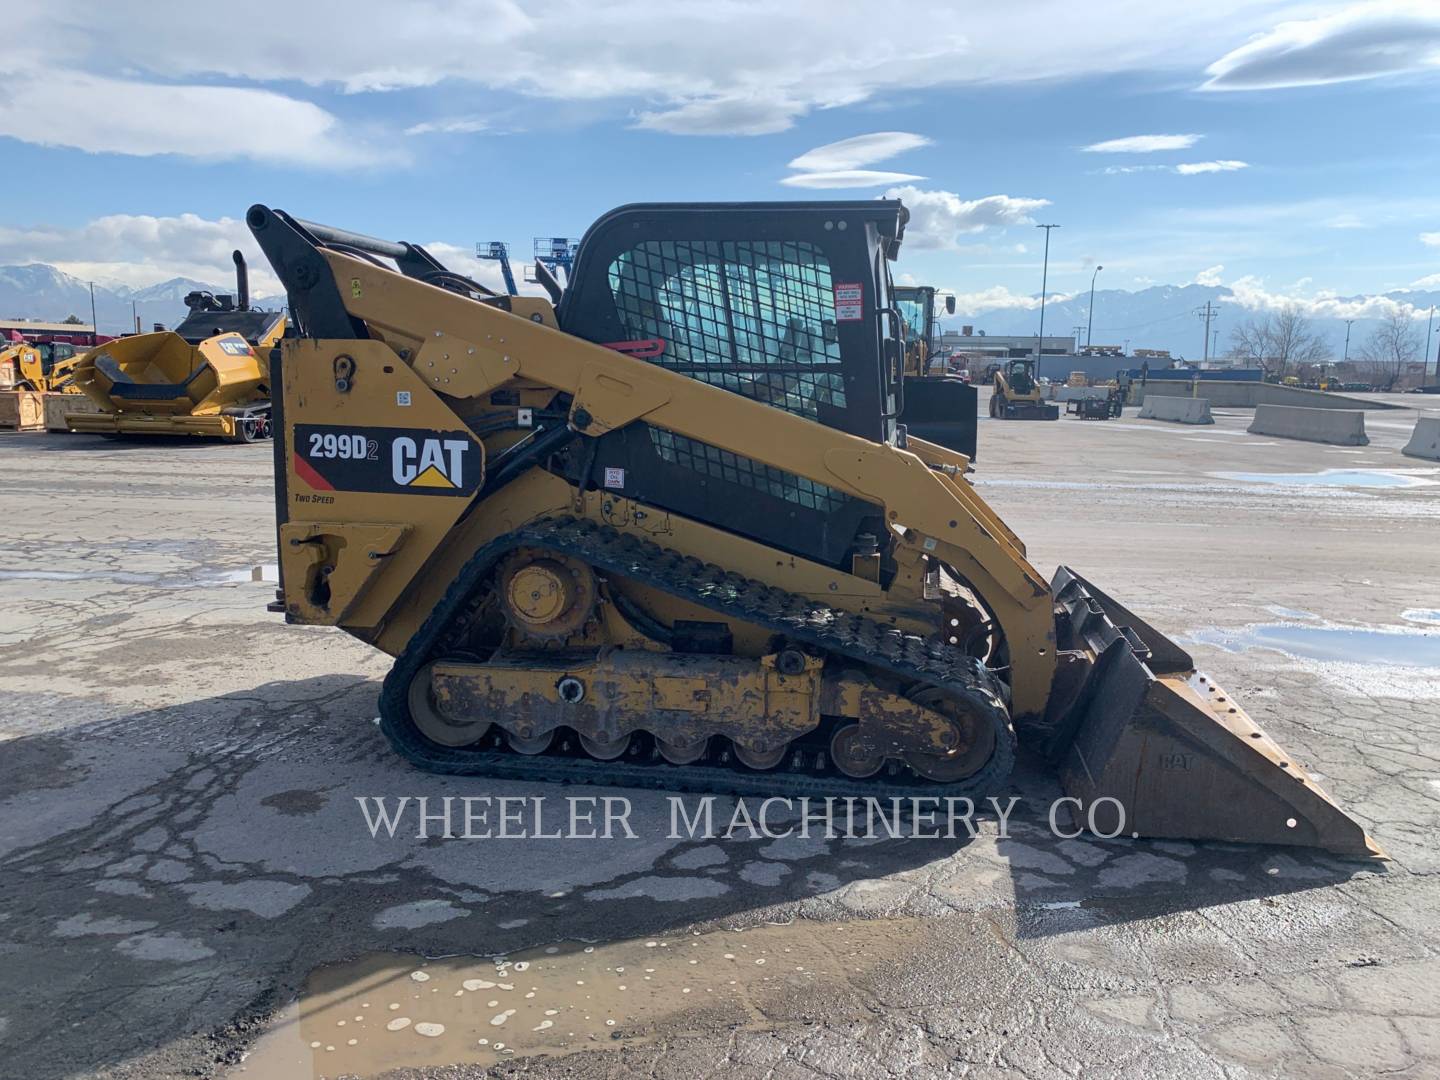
{"x":242,"y":282}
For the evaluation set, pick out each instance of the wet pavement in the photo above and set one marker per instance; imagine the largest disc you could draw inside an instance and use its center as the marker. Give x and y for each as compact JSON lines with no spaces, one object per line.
{"x":187,"y":885}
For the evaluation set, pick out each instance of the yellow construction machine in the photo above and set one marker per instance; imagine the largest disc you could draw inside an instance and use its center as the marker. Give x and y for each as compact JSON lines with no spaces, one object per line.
{"x":663,"y":529}
{"x":206,"y":377}
{"x":934,"y":404}
{"x":45,"y":366}
{"x":1015,"y":393}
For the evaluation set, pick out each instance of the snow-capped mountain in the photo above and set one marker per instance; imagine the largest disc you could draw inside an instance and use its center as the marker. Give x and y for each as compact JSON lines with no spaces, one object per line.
{"x":41,"y":292}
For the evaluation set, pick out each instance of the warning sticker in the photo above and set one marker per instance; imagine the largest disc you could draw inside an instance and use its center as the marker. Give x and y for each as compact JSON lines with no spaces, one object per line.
{"x":615,"y":478}
{"x":849,"y":301}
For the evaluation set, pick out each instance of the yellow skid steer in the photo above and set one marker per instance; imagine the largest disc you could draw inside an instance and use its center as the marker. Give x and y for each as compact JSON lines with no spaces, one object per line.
{"x":664,"y":529}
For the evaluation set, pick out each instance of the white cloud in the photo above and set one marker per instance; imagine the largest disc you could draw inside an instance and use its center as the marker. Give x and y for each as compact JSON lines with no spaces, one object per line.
{"x":837,"y":164}
{"x":758,"y":114}
{"x":848,"y":178}
{"x":103,"y":115}
{"x":1142,"y":144}
{"x":1363,"y":41}
{"x":997,"y":296}
{"x":1188,"y":168}
{"x":695,"y":67}
{"x":1429,"y":281}
{"x":1210,"y":275}
{"x":453,"y":125}
{"x":1195,"y":168}
{"x":937,"y":218}
{"x":1430,"y":239}
{"x":859,"y":150}
{"x":139,"y":250}
{"x":1250,"y":293}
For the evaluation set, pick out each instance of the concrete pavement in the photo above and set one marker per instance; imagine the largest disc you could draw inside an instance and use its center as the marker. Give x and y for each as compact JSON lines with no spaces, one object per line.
{"x":180,"y":848}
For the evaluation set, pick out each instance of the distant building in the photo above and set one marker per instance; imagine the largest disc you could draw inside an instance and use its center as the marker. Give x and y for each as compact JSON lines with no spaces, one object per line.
{"x":31,"y":328}
{"x":1002,"y":347}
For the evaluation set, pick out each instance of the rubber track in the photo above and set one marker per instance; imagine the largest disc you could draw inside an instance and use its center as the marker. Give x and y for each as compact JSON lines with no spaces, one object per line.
{"x":865,"y":641}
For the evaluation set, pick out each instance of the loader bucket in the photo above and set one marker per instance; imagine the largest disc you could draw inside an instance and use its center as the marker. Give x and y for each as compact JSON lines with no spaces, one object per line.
{"x":1150,"y":747}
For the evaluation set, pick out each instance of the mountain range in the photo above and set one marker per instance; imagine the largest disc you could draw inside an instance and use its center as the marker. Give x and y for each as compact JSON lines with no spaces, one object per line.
{"x":1167,"y":317}
{"x":1158,"y":317}
{"x":41,"y":292}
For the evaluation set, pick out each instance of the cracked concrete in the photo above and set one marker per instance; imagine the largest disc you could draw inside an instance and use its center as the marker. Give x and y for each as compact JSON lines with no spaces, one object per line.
{"x":180,"y":847}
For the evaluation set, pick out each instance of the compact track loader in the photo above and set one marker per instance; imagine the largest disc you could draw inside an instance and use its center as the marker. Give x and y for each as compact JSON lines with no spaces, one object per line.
{"x":663,"y":529}
{"x":45,"y":367}
{"x":934,"y":405}
{"x":205,"y":377}
{"x":1015,"y":394}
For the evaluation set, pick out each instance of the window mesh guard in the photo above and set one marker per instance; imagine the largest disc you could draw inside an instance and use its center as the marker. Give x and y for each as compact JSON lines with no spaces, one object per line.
{"x":756,"y":318}
{"x":747,"y":472}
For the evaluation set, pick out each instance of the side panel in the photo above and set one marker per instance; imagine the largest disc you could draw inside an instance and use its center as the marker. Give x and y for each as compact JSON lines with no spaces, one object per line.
{"x":385,"y":450}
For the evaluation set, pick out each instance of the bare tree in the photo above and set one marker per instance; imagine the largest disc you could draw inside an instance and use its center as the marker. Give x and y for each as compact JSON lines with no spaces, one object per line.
{"x":1278,"y":341}
{"x":1390,"y":348}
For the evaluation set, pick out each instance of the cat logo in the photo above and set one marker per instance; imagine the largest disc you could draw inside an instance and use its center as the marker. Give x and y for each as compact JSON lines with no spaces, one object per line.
{"x":433,"y":463}
{"x":389,"y":461}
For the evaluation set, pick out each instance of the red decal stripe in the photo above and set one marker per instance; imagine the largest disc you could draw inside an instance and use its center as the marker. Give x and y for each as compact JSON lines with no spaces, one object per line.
{"x":306,"y":472}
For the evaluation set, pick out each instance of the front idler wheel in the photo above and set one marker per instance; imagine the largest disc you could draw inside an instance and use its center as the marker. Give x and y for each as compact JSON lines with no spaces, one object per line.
{"x":975,"y":748}
{"x":435,"y":726}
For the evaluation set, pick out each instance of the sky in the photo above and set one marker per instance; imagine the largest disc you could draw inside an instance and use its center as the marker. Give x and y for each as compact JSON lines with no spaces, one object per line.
{"x":1288,"y":150}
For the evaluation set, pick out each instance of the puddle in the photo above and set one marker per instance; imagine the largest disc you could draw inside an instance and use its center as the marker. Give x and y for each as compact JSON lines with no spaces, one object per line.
{"x":1422,"y":615}
{"x":264,"y":572}
{"x":1390,"y":646}
{"x":391,"y":1011}
{"x":1362,"y":478}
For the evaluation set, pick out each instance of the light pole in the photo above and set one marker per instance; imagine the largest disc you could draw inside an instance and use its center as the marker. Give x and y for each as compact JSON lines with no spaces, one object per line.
{"x":1348,"y":324}
{"x":1090,"y":320}
{"x":94,"y":327}
{"x":1428,"y":324}
{"x":1044,"y":282}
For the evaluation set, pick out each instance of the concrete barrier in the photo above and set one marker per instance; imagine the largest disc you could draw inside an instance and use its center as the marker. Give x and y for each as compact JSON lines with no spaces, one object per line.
{"x":1178,"y":410}
{"x":1339,"y":427}
{"x":1228,"y":394}
{"x":1425,"y":439}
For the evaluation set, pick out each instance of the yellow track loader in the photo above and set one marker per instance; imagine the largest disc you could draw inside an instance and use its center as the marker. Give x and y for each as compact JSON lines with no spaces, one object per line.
{"x":663,"y":529}
{"x":45,"y":367}
{"x":206,"y":377}
{"x":934,"y":405}
{"x":1015,"y":394}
